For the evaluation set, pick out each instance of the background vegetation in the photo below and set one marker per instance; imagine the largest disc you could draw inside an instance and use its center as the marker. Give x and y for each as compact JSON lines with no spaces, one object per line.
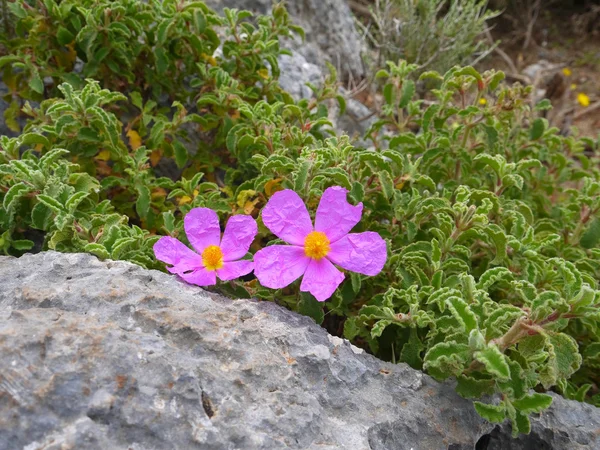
{"x":133,"y":113}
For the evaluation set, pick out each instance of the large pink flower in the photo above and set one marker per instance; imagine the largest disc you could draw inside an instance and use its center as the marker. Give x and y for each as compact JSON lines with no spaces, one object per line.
{"x":216,"y":256}
{"x":312,"y":251}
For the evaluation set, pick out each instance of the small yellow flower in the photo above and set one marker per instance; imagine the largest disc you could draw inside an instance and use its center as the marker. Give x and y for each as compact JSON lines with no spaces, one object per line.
{"x":573,"y":86}
{"x":482,"y":101}
{"x":567,"y":72}
{"x":583,"y":99}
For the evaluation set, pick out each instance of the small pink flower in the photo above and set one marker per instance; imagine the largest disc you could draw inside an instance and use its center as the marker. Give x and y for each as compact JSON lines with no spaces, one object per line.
{"x":312,"y":251}
{"x":216,"y":256}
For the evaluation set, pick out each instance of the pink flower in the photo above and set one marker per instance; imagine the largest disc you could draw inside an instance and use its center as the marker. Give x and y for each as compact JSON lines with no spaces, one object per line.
{"x":216,"y":256}
{"x":313,"y":252}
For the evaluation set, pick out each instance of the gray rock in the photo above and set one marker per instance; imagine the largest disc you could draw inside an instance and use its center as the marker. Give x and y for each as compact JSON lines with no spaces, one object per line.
{"x":296,"y":71}
{"x":107,"y":355}
{"x":329,"y":26}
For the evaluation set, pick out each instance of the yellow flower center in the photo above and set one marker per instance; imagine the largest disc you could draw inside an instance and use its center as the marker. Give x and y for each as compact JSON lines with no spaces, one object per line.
{"x":212,"y":257}
{"x":316,"y":245}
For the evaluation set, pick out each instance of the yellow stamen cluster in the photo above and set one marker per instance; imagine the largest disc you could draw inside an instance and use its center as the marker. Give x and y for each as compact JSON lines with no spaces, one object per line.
{"x":316,"y":245}
{"x":212,"y":257}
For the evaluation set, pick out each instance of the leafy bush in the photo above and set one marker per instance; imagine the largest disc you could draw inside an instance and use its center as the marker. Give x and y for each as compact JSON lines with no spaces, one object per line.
{"x":492,"y":218}
{"x":434,"y":34}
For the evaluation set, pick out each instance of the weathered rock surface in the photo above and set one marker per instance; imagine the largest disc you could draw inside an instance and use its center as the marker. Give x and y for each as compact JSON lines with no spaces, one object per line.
{"x":107,"y":355}
{"x":330,"y":31}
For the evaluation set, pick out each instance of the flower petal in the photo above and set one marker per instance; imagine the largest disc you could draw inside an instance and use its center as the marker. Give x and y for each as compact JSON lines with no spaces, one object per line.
{"x":364,"y":253}
{"x":239,"y":234}
{"x":200,"y":277}
{"x":335,"y":216}
{"x":277,"y":266}
{"x":171,"y":251}
{"x":287,"y":218}
{"x":235,"y":269}
{"x":321,"y":279}
{"x":202,"y":228}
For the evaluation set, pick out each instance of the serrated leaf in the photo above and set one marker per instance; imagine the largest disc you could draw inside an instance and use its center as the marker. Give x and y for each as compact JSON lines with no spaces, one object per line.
{"x":311,"y":307}
{"x":563,"y":358}
{"x":533,"y":403}
{"x":469,"y":387}
{"x":491,"y":413}
{"x":14,"y":193}
{"x":142,"y":204}
{"x":494,"y":361}
{"x":387,"y":184}
{"x":97,"y":249}
{"x":461,"y":311}
{"x":51,"y":203}
{"x":408,"y":90}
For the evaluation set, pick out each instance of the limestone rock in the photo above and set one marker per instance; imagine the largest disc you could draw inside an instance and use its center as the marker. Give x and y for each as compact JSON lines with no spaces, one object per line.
{"x":107,"y":355}
{"x":101,"y":355}
{"x":329,"y":26}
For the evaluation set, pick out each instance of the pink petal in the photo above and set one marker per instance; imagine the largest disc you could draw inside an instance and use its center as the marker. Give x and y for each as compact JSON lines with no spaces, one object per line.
{"x":335,"y":216}
{"x":364,"y":253}
{"x":321,"y":279}
{"x":171,"y":251}
{"x":235,"y":269}
{"x":287,"y":218}
{"x":239,"y":234}
{"x":277,"y":266}
{"x":200,"y":277}
{"x":202,"y":228}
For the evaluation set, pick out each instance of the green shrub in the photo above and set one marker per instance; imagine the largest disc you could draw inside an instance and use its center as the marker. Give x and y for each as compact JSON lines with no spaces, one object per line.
{"x":434,"y":34}
{"x":492,"y":218}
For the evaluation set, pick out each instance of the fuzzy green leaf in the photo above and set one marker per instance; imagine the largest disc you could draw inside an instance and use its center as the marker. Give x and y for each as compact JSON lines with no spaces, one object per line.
{"x":494,"y":361}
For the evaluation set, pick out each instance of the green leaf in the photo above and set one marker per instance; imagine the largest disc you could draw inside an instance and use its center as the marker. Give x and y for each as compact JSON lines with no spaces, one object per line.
{"x":446,"y":359}
{"x":74,"y":201}
{"x":41,"y":216}
{"x":494,"y":361}
{"x":14,"y":193}
{"x":64,"y":36}
{"x":181,"y":154}
{"x":97,"y":249}
{"x":36,"y":83}
{"x":469,"y":387}
{"x":387,"y":184}
{"x":408,"y":90}
{"x":537,"y":129}
{"x":351,"y":330}
{"x":563,"y":358}
{"x":51,"y":203}
{"x":379,"y":327}
{"x":22,"y":244}
{"x":311,"y":307}
{"x":162,"y":62}
{"x":591,"y":237}
{"x":460,"y":309}
{"x":533,"y":403}
{"x":357,"y":193}
{"x":301,"y":176}
{"x":521,"y":424}
{"x":491,"y":413}
{"x":142,"y":205}
{"x":34,"y":138}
